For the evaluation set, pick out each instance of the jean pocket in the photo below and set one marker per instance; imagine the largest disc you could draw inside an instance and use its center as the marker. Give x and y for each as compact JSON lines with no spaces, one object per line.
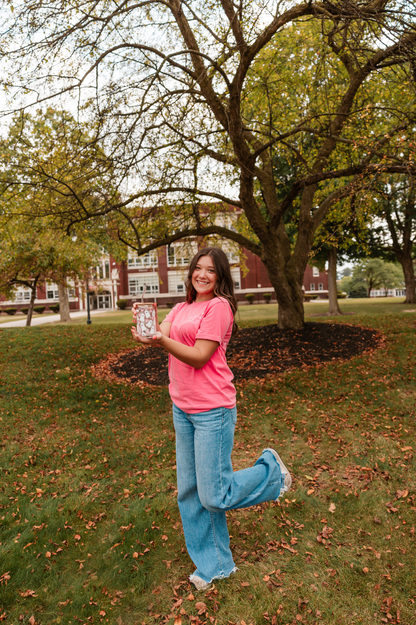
{"x":233,"y":412}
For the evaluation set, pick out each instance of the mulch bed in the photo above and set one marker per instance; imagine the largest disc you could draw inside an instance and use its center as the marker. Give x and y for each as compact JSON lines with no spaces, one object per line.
{"x":253,"y":353}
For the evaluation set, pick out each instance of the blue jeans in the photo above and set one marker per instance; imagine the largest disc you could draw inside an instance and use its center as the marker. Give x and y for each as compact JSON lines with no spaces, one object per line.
{"x":207,"y":486}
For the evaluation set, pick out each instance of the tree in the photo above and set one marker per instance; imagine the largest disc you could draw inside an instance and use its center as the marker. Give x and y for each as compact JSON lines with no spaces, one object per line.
{"x":340,"y":235}
{"x":376,"y":274}
{"x":175,"y":87}
{"x":52,"y":166}
{"x":394,"y":202}
{"x":31,"y":254}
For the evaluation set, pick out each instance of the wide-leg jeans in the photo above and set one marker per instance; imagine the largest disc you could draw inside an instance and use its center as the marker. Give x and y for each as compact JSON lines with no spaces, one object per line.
{"x":208,"y":486}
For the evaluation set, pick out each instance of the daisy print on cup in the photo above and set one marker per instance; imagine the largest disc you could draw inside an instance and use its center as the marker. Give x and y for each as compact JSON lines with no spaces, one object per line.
{"x":204,"y":279}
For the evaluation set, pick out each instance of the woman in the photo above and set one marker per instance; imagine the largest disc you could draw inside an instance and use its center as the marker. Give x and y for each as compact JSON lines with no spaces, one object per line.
{"x":195,"y":334}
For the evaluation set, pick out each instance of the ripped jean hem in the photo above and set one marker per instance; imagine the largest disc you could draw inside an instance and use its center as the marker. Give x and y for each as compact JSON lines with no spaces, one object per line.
{"x":220,"y":576}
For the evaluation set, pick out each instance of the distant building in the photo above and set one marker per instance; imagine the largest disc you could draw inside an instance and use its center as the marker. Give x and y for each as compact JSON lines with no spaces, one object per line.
{"x":399,"y":292}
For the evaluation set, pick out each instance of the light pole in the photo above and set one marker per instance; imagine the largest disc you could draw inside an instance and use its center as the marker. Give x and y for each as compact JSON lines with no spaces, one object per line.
{"x":88,"y":305}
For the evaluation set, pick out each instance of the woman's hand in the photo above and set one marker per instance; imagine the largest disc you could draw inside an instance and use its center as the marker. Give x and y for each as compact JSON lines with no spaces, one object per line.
{"x":147,"y":340}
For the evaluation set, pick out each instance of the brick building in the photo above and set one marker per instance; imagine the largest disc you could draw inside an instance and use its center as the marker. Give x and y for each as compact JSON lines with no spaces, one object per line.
{"x":162,"y":273}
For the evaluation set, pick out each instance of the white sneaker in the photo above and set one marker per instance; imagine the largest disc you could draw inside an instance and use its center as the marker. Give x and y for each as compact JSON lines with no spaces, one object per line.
{"x":284,"y":470}
{"x":199,"y":583}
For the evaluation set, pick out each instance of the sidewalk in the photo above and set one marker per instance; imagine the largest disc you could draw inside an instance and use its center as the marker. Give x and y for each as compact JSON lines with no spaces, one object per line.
{"x":37,"y":321}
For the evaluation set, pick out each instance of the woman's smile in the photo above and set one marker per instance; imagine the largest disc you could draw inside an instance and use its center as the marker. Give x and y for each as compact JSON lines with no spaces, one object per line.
{"x":204,"y":279}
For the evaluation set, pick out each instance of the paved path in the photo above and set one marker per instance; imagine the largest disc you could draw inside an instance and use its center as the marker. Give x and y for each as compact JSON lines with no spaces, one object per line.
{"x":37,"y":321}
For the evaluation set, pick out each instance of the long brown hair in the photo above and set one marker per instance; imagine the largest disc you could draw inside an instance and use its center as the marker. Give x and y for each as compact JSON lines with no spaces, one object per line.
{"x":225,"y":284}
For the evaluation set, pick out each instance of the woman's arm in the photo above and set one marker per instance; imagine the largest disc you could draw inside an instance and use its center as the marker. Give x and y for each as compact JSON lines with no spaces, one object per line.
{"x":196,"y":356}
{"x":165,"y":328}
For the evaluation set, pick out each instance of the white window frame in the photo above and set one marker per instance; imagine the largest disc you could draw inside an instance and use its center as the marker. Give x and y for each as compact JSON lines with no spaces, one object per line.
{"x":22,"y":294}
{"x":312,"y":285}
{"x":236,"y":276}
{"x":176,"y":282}
{"x":137,"y":282}
{"x":180,"y":254}
{"x":146,"y":261}
{"x":320,"y":286}
{"x":226,"y":220}
{"x":315,"y":272}
{"x":52,"y":292}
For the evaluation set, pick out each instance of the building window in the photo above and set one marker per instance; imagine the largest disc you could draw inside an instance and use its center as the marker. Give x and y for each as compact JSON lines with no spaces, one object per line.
{"x":226,"y":220}
{"x":23,"y":295}
{"x":138,"y":283}
{"x":235,"y":274}
{"x":312,"y":287}
{"x":150,"y":259}
{"x":315,"y":272}
{"x":176,"y":282}
{"x":178,"y":256}
{"x":320,"y":287}
{"x":107,"y":268}
{"x":52,"y":291}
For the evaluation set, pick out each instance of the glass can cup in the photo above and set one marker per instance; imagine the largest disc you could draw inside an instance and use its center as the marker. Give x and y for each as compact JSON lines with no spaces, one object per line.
{"x":146,"y":320}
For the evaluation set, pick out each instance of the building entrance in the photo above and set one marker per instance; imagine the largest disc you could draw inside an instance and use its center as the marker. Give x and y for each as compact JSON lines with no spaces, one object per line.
{"x":100,"y":301}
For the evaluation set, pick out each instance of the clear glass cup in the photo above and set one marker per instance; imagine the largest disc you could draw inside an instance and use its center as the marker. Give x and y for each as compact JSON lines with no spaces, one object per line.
{"x":146,"y":320}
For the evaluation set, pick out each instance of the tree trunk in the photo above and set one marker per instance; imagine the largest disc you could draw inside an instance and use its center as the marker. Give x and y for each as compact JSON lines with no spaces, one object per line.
{"x":334,"y":308}
{"x":32,"y":302}
{"x":286,"y":277}
{"x":409,"y":279}
{"x":291,"y":315}
{"x":63,"y":303}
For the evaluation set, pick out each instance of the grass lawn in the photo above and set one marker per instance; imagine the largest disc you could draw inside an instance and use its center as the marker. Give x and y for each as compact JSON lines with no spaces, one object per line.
{"x":90,"y":530}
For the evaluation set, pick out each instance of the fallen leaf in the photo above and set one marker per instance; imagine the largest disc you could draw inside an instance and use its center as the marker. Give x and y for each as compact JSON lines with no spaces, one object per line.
{"x":407,"y":448}
{"x":27,"y":593}
{"x":32,"y":620}
{"x":164,"y":537}
{"x":77,"y":537}
{"x":135,"y":555}
{"x":245,"y":583}
{"x":102,"y":613}
{"x":48,"y":554}
{"x":365,"y":570}
{"x":402,"y":493}
{"x":177,"y":621}
{"x":311,"y":491}
{"x":201,"y":607}
{"x":332,"y":508}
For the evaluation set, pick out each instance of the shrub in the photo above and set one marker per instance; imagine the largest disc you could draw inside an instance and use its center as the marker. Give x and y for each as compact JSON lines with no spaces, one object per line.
{"x":10,"y":311}
{"x":267,"y":297}
{"x":24,"y":310}
{"x":54,"y":308}
{"x":250,"y":297}
{"x":358,"y":292}
{"x":40,"y":309}
{"x":170,"y":304}
{"x":341,"y":295}
{"x":121,"y":304}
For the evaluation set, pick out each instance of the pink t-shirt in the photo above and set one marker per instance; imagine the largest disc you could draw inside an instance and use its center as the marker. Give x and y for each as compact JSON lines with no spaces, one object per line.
{"x":198,"y":390}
